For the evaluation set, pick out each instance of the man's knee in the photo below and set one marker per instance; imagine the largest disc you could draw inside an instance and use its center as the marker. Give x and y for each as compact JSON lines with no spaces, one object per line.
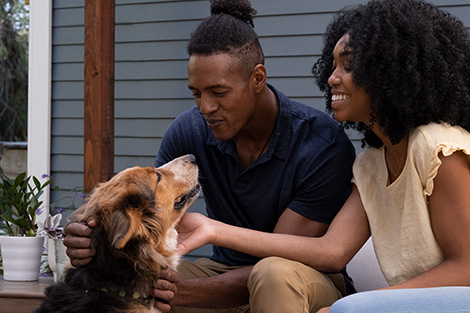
{"x":278,"y":285}
{"x":278,"y":273}
{"x":271,"y":270}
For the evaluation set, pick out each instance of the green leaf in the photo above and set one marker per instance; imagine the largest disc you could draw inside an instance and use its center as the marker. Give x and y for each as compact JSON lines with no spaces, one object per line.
{"x":19,"y":179}
{"x":19,"y":201}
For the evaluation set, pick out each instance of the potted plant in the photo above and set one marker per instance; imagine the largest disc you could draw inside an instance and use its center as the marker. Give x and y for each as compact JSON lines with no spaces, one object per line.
{"x":56,"y":256}
{"x":19,"y":205}
{"x":52,"y":229}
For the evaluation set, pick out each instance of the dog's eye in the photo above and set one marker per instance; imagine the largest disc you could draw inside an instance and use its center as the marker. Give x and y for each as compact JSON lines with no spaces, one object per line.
{"x":159,"y":177}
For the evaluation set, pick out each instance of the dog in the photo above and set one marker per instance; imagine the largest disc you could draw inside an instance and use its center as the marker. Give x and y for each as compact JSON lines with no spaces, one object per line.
{"x":136,"y":214}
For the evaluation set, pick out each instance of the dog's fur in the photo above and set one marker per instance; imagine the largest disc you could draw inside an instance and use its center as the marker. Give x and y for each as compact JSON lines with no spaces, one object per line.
{"x":136,"y":214}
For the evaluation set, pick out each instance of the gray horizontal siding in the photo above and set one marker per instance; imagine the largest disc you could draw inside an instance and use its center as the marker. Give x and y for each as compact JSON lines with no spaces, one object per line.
{"x":158,"y":108}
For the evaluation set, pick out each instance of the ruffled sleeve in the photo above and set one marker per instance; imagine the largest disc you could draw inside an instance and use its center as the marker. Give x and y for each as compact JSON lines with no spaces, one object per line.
{"x":432,"y":139}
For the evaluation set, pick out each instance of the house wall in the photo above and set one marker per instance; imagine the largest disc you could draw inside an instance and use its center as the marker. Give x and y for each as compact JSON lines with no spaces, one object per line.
{"x":150,"y":70}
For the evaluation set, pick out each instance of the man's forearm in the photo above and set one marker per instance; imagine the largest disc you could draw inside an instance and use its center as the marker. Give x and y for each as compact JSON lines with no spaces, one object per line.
{"x":221,"y":291}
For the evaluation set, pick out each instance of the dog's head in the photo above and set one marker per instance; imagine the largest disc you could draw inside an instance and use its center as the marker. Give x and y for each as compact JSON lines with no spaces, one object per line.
{"x":136,"y":212}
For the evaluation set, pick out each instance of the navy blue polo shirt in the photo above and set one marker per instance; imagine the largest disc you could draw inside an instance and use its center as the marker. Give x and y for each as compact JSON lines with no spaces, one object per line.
{"x":307,"y":168}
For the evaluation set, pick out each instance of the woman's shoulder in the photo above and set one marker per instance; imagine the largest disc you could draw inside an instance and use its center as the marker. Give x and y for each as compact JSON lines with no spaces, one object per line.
{"x":440,"y":133}
{"x":369,"y":162}
{"x":370,"y":154}
{"x":428,"y":140}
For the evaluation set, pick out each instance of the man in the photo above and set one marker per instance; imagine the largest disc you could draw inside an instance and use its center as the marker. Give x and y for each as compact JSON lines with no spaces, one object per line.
{"x":266,"y":163}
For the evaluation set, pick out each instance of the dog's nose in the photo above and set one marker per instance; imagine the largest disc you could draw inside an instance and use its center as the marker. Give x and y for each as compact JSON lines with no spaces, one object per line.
{"x":191,"y":158}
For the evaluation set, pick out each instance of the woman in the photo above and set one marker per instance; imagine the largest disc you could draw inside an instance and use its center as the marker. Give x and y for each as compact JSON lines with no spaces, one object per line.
{"x":399,"y":72}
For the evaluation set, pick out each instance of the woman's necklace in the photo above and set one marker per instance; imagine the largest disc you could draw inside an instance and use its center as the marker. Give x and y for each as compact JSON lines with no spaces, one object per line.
{"x":399,"y":168}
{"x":401,"y":163}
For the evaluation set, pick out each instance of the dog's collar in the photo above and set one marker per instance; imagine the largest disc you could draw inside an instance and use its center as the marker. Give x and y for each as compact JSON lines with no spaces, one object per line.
{"x":126,"y":294}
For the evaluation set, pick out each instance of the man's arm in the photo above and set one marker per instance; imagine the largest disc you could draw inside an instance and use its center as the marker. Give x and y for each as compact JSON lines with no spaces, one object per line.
{"x":221,"y":291}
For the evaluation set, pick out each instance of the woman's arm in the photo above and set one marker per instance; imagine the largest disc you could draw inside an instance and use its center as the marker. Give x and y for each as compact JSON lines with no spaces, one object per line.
{"x":331,"y":252}
{"x":450,"y":218}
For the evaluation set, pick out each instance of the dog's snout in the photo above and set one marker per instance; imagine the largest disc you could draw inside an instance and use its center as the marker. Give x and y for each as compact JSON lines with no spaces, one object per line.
{"x":185,"y":162}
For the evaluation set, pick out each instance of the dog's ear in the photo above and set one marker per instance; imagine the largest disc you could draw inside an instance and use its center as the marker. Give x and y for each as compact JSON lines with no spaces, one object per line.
{"x":126,"y":221}
{"x":124,"y":227}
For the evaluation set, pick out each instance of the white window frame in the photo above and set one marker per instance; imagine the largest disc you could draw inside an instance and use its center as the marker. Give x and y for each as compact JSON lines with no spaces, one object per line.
{"x":39,"y":92}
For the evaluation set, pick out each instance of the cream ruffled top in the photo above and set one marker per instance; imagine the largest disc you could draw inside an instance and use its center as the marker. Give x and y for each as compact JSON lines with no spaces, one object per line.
{"x":398,"y":213}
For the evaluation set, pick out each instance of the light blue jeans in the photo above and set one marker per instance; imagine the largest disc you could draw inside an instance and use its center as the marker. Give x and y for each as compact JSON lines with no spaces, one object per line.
{"x":424,"y":300}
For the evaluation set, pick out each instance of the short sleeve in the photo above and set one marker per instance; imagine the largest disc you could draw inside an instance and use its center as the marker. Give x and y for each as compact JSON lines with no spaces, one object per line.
{"x":326,"y":183}
{"x":431,"y":140}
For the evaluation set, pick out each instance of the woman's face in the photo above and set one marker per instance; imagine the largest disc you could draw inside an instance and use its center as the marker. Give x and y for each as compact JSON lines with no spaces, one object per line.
{"x":350,"y":102}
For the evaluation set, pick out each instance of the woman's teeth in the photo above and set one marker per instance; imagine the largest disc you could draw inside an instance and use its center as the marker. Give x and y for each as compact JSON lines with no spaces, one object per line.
{"x":339,"y":97}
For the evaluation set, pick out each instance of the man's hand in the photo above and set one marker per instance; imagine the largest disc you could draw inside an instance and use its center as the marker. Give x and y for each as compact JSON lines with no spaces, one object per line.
{"x":194,"y":231}
{"x":78,"y":243}
{"x":165,"y":289}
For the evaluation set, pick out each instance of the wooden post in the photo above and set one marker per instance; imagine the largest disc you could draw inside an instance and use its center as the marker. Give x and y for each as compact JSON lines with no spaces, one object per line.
{"x":99,"y":92}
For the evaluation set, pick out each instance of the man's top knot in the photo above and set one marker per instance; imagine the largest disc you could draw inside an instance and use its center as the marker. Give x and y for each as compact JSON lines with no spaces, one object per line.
{"x":240,"y":9}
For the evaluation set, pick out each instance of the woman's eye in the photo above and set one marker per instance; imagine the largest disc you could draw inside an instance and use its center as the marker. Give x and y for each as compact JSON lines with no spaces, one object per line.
{"x":348,"y":65}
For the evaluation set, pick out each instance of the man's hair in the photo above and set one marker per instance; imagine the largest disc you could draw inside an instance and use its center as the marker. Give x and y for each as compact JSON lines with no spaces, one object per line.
{"x":412,"y":58}
{"x":229,"y":30}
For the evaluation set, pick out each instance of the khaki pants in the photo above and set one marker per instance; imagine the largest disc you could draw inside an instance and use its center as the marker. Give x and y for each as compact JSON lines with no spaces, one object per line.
{"x":276,"y":285}
{"x":205,"y":268}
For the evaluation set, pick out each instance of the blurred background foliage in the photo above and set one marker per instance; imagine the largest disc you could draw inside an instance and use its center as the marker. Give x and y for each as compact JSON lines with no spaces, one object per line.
{"x":14,"y":33}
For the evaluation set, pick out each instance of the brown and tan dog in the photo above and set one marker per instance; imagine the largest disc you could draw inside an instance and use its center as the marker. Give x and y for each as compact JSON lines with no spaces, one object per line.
{"x":136,"y":214}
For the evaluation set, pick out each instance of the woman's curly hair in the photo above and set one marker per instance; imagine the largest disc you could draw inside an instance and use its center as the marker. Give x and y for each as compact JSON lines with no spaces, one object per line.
{"x":229,"y":29}
{"x":412,"y":58}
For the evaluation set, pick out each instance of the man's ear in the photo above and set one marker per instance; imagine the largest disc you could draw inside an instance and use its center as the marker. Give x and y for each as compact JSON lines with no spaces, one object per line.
{"x":259,"y":77}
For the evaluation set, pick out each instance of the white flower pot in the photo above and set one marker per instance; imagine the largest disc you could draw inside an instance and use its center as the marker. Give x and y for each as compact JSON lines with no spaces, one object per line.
{"x":51,"y":257}
{"x":21,"y":257}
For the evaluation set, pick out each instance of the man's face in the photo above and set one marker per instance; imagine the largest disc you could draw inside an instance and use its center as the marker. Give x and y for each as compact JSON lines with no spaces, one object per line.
{"x":223,"y":95}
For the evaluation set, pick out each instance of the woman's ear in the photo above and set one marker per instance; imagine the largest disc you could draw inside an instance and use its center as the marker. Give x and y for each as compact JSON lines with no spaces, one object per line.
{"x":259,"y":77}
